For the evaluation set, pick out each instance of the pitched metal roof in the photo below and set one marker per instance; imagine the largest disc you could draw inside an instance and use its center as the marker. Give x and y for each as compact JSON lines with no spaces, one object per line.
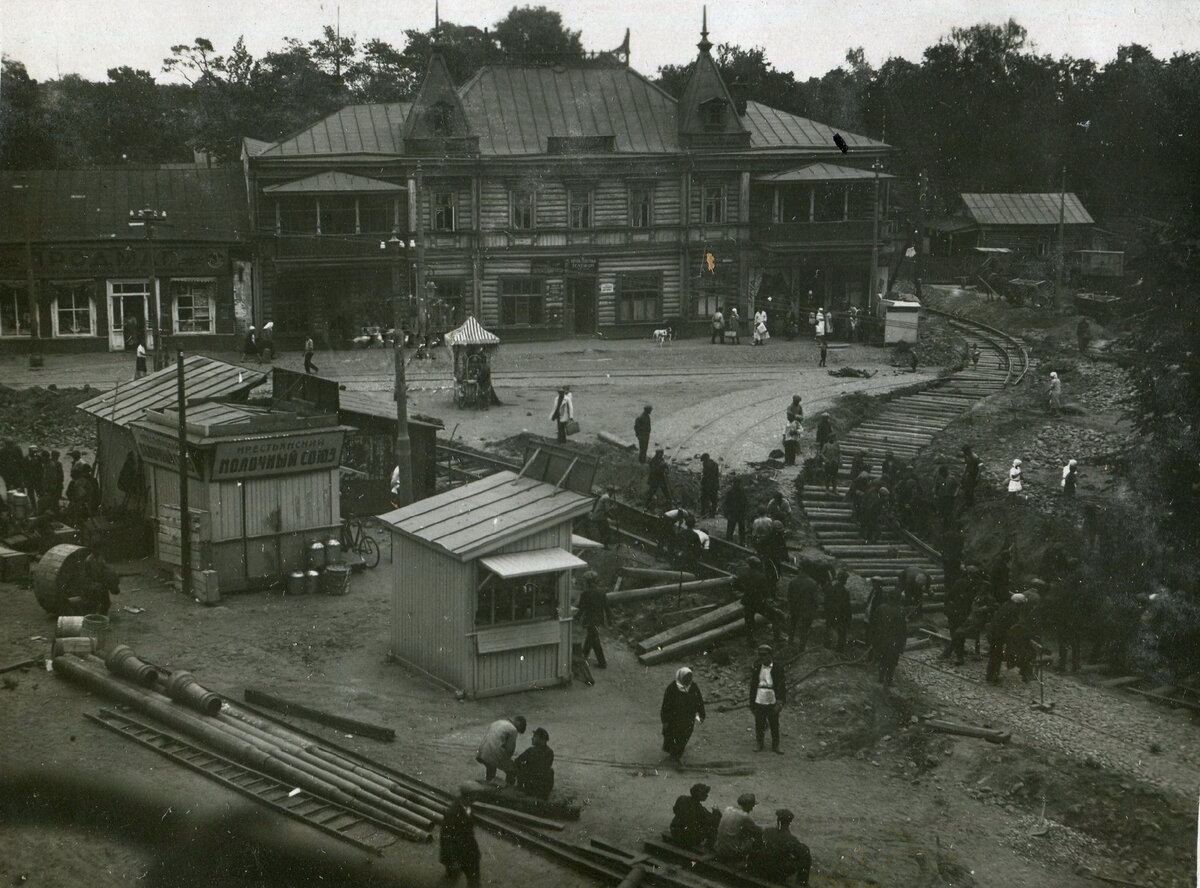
{"x":471,"y":332}
{"x":483,"y":516}
{"x":515,"y":110}
{"x":821,"y":172}
{"x":1026,"y":209}
{"x":380,"y":405}
{"x":770,"y":128}
{"x":205,"y":204}
{"x":355,"y":129}
{"x":204,"y":379}
{"x":335,"y":181}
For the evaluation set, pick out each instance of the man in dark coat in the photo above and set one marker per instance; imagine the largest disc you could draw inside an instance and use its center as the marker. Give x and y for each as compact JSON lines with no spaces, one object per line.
{"x":12,"y":465}
{"x":970,"y":475}
{"x":768,"y":694}
{"x":802,"y":608}
{"x":795,"y":409}
{"x":533,"y":769}
{"x":888,"y":634}
{"x":914,"y":584}
{"x":594,"y":611}
{"x":978,"y":618}
{"x":710,"y":485}
{"x":682,"y":709}
{"x":641,"y":430}
{"x":695,"y":826}
{"x":780,"y":854}
{"x":959,"y":597}
{"x":757,"y":590}
{"x":457,"y":849}
{"x":836,"y":600}
{"x":99,"y":582}
{"x":656,"y":478}
{"x":1068,"y":612}
{"x":872,"y":509}
{"x":952,"y":550}
{"x":735,"y":508}
{"x":998,"y":631}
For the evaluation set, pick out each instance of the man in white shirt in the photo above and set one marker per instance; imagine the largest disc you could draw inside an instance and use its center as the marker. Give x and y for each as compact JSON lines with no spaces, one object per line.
{"x":768,"y":693}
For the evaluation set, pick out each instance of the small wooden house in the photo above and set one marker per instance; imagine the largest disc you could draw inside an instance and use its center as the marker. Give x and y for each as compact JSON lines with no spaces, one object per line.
{"x":481,"y":584}
{"x":261,"y":484}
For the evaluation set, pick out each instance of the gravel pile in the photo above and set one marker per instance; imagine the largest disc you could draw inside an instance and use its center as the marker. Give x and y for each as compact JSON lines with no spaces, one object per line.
{"x":46,"y":417}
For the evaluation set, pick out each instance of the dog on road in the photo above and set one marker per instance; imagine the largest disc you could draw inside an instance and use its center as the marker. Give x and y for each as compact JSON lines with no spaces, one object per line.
{"x":664,"y":335}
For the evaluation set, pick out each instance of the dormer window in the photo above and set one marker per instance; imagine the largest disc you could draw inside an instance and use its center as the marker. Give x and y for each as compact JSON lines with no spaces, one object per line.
{"x":712,"y":114}
{"x":441,"y":119}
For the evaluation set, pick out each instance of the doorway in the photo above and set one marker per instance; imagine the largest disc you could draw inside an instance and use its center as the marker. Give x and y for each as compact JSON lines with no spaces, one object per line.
{"x":128,"y":308}
{"x":581,"y":298}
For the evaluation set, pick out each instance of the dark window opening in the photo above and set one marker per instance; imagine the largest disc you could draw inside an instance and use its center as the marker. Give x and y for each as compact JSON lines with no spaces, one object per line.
{"x":522,"y":300}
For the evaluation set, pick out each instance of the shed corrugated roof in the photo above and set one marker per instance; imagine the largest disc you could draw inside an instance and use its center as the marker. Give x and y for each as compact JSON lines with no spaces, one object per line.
{"x":471,"y":332}
{"x":1026,"y":209}
{"x":355,"y":129}
{"x":201,"y":204}
{"x":335,"y":181}
{"x":515,"y":110}
{"x":204,"y":379}
{"x":380,"y":405}
{"x":482,"y":516}
{"x":821,"y":172}
{"x":771,"y":128}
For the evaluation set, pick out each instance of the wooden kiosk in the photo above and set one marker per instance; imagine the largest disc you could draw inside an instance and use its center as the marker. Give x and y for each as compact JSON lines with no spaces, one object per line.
{"x":260,"y":485}
{"x":482,"y":580}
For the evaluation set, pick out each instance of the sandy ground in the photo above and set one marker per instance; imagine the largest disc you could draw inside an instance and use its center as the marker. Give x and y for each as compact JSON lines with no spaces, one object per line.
{"x":81,"y":804}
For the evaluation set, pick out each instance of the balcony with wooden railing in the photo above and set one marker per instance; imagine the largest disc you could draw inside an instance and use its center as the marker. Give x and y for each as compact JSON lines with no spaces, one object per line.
{"x":848,"y":232}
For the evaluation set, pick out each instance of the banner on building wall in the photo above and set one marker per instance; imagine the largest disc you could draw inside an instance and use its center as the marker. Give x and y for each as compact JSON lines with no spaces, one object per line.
{"x":163,"y":450}
{"x":260,"y":458}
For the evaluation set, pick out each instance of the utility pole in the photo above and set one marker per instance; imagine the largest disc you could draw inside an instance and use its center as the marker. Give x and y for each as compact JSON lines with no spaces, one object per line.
{"x":1062,"y":212}
{"x":146,"y":219}
{"x":185,"y":515}
{"x":35,"y":317}
{"x":875,"y":167}
{"x":404,"y":490}
{"x":422,"y":306}
{"x":922,"y":187}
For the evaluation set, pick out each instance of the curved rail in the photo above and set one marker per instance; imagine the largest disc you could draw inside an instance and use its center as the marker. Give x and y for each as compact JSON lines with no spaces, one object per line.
{"x":990,"y":334}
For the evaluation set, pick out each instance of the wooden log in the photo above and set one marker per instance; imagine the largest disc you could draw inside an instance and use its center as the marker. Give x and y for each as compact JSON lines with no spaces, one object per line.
{"x":20,"y":664}
{"x":349,"y":725}
{"x":698,"y":642}
{"x":625,"y":595}
{"x":651,"y":573}
{"x":992,"y":735}
{"x":719,"y":617}
{"x":527,"y":819}
{"x":610,"y":438}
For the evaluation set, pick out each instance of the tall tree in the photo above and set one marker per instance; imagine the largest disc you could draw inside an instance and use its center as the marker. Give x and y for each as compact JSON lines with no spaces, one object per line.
{"x":25,"y":140}
{"x":536,"y":33}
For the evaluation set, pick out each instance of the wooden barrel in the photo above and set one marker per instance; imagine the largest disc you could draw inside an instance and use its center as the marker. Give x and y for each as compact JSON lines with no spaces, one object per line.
{"x":336,"y":579}
{"x":55,"y":577}
{"x":69,"y":627}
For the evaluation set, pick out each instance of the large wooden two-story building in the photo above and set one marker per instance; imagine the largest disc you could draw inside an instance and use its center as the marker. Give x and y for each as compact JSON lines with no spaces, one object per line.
{"x":561,"y":200}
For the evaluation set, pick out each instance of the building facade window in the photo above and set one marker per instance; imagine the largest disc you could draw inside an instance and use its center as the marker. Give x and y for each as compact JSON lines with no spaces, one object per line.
{"x":338,"y":215}
{"x":705,"y":304}
{"x":523,"y":209}
{"x":74,"y":309}
{"x":522,"y":300}
{"x":14,"y":310}
{"x":445,"y":204}
{"x":376,"y":215}
{"x":712,"y":204}
{"x":516,"y":600}
{"x":194,"y":304}
{"x":639,"y":296}
{"x":579,"y":206}
{"x":641,"y":206}
{"x":712,"y":114}
{"x":297,"y":215}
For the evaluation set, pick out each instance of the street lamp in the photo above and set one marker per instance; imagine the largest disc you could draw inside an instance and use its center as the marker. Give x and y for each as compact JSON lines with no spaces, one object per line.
{"x":403,"y":494}
{"x":35,"y":318}
{"x":146,"y":219}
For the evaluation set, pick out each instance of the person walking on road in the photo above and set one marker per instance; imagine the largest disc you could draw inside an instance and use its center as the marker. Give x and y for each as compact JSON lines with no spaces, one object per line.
{"x":139,"y":361}
{"x":831,"y":461}
{"x":795,"y":409}
{"x":564,"y":412}
{"x":837,"y":609}
{"x":641,"y":430}
{"x":710,"y":486}
{"x":682,"y":709}
{"x":309,"y":366}
{"x":458,"y":849}
{"x":734,"y":326}
{"x":250,"y":344}
{"x":970,"y":475}
{"x":1015,"y":485}
{"x":718,"y":328}
{"x":735,"y":509}
{"x":594,"y":612}
{"x":656,"y":477}
{"x":791,"y":441}
{"x":768,"y":693}
{"x":1055,"y":392}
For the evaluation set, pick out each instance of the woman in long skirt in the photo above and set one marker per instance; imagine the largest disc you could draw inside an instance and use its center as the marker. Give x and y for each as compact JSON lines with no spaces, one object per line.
{"x":682,"y":710}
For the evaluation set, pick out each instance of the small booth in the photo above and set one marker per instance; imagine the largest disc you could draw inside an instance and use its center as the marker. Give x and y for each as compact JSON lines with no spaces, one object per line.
{"x":473,"y":348}
{"x":261,"y":485}
{"x":900,"y":320}
{"x":482,"y":581}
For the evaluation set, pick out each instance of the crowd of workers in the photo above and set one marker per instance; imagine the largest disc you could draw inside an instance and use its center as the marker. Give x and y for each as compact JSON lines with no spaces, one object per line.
{"x":39,"y":474}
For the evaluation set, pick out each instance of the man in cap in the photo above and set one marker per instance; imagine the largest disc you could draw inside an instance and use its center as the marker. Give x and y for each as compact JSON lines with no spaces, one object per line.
{"x":737,"y":833}
{"x":594,"y":611}
{"x":998,"y":632}
{"x":780,"y":854}
{"x":498,"y":745}
{"x":656,"y":477}
{"x":710,"y":486}
{"x":768,"y":693}
{"x":695,"y":826}
{"x":641,"y":430}
{"x":533,"y":770}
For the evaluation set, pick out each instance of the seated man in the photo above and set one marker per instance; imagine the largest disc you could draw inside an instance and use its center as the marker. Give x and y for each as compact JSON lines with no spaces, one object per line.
{"x":737,"y":833}
{"x":533,"y":769}
{"x":780,"y":854}
{"x":694,"y":826}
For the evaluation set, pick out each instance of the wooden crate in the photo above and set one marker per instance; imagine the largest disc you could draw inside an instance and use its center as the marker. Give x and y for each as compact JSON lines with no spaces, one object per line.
{"x":14,"y":565}
{"x":206,"y":586}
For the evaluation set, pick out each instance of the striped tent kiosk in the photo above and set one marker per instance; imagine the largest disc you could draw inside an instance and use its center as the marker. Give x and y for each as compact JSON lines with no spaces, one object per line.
{"x":472,"y":347}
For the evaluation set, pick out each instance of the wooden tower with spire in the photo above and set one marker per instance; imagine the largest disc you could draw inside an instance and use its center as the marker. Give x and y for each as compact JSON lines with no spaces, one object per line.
{"x":436,"y":123}
{"x":708,"y":116}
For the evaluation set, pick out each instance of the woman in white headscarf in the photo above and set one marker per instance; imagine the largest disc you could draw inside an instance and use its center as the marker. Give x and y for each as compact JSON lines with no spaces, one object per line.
{"x":1014,"y":477}
{"x":1070,"y":476}
{"x":682,"y":710}
{"x":1055,"y":393}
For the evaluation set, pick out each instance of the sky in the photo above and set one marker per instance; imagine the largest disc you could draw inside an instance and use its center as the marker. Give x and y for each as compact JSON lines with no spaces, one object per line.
{"x":807,"y":37}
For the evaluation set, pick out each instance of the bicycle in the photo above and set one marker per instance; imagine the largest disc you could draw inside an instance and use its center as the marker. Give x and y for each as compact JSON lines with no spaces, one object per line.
{"x":355,"y":539}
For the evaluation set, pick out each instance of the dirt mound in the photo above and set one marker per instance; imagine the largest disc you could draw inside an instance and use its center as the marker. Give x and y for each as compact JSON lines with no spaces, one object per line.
{"x":45,"y":416}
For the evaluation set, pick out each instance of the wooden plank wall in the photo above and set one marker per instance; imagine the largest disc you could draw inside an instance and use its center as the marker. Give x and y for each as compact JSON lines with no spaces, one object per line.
{"x":433,"y":609}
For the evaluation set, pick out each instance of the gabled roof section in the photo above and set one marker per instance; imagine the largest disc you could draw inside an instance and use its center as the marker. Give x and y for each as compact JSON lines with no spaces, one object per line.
{"x":334,"y":181}
{"x":1026,"y":209}
{"x":471,"y":333}
{"x":821,"y":172}
{"x":516,"y":110}
{"x":437,"y":112}
{"x":205,"y":379}
{"x":482,"y":516}
{"x":708,"y":116}
{"x":355,"y":129}
{"x":201,"y":203}
{"x":771,"y":128}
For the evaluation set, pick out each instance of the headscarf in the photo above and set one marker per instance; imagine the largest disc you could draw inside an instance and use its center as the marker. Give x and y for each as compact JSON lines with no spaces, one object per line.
{"x":681,"y":674}
{"x":1016,"y":463}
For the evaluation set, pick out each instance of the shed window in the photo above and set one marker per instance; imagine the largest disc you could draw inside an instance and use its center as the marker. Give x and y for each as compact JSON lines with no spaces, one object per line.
{"x":517,"y":600}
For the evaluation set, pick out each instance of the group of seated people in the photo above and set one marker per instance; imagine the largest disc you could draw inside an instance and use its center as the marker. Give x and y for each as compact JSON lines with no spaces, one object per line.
{"x":734,"y":838}
{"x":532,"y":771}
